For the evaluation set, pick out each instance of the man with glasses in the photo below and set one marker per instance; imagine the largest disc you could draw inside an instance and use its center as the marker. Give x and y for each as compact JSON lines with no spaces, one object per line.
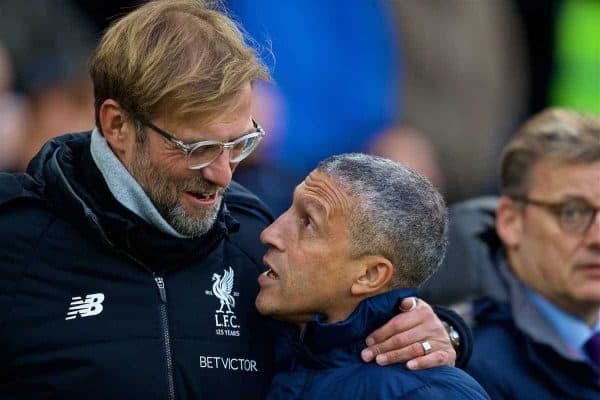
{"x":534,"y":257}
{"x":128,"y":257}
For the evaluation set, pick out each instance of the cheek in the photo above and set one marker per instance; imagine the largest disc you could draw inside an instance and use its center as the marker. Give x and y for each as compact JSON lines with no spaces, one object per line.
{"x":170,"y":164}
{"x":553,"y":256}
{"x":170,"y":170}
{"x":302,"y":270}
{"x":157,"y":180}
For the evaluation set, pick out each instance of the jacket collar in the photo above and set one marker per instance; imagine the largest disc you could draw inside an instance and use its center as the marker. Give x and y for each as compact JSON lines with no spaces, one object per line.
{"x":124,"y":187}
{"x":323,"y":345}
{"x":529,"y":319}
{"x":76,"y":189}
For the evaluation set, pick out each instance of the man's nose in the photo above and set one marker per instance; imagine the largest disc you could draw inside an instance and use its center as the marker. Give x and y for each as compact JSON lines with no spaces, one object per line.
{"x":271,"y":236}
{"x":220,"y":170}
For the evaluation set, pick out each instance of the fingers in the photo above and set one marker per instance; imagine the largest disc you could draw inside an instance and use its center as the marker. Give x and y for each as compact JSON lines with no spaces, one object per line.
{"x":402,"y":348}
{"x":404,"y":354}
{"x":404,"y":323}
{"x":433,"y":359}
{"x":400,"y":339}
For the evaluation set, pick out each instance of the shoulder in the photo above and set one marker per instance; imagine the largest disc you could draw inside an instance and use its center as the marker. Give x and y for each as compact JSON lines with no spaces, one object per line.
{"x":473,"y":219}
{"x":243,"y":203}
{"x":473,"y":224}
{"x":477,"y":210}
{"x":445,"y":383}
{"x":16,"y":186}
{"x":472,"y":243}
{"x":252,"y":215}
{"x":397,"y":382}
{"x":22,"y":210}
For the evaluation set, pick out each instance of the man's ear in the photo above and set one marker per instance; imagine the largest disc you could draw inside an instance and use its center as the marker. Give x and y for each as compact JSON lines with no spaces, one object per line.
{"x":375,"y":275}
{"x":509,"y":221}
{"x":113,"y":120}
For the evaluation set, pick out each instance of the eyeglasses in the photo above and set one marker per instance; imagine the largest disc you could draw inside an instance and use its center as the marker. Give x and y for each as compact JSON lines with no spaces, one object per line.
{"x":201,"y":154}
{"x":574,"y":216}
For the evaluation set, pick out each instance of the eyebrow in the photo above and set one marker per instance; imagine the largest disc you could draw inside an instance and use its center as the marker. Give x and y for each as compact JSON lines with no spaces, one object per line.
{"x":309,"y":203}
{"x":575,"y":197}
{"x":313,"y":204}
{"x":253,"y":128}
{"x":167,"y":135}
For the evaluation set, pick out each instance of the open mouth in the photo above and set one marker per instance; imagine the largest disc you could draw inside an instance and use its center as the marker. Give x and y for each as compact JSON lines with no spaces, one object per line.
{"x":272,"y":274}
{"x":203,"y":196}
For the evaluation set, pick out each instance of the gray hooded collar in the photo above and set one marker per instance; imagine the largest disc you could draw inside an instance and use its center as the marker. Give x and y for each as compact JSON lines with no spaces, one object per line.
{"x":528,"y":318}
{"x":124,"y":187}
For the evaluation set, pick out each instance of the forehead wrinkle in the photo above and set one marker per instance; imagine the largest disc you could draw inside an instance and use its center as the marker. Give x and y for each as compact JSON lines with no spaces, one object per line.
{"x":327,"y":194}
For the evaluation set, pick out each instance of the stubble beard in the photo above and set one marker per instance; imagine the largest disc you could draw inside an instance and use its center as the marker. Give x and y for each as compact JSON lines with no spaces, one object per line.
{"x":165,"y":192}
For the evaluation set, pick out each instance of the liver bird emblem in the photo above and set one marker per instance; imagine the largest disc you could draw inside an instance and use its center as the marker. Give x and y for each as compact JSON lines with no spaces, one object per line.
{"x":222,"y":287}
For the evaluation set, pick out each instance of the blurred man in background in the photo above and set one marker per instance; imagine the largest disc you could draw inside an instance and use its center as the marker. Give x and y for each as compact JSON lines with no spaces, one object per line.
{"x":532,"y":259}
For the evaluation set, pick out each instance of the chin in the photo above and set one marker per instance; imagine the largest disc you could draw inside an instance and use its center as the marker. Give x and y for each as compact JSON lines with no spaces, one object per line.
{"x":262,"y":305}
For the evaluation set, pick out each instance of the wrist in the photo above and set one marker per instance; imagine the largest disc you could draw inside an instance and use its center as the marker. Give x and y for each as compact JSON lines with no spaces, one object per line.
{"x":453,"y":335}
{"x":464,"y":345}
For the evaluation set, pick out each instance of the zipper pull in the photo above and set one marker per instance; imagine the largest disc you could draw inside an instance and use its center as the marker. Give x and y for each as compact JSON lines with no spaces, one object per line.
{"x":161,"y":288}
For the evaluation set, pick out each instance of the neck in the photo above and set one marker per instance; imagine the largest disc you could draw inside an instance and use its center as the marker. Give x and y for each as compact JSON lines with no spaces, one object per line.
{"x":341,"y":312}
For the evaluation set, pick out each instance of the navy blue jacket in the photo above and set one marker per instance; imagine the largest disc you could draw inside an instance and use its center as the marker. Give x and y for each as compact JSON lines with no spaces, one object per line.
{"x":327,"y":364}
{"x":95,"y":303}
{"x":517,"y":353}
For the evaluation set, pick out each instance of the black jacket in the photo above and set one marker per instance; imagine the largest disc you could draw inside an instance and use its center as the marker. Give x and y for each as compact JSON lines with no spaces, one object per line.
{"x":95,"y":303}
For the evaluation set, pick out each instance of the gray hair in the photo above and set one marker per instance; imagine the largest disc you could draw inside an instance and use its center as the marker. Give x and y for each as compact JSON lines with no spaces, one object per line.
{"x":400,"y":215}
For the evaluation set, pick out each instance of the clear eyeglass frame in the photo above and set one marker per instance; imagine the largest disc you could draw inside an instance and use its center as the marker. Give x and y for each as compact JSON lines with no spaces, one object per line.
{"x":201,"y":154}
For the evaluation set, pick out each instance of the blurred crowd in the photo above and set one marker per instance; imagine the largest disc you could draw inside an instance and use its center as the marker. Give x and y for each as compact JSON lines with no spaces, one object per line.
{"x":437,"y":84}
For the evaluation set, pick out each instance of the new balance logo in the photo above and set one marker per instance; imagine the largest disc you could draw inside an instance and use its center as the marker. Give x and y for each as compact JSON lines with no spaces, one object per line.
{"x":91,"y":305}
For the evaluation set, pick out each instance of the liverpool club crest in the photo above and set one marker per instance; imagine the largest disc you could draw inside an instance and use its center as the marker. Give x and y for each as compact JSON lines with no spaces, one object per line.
{"x":226,"y":322}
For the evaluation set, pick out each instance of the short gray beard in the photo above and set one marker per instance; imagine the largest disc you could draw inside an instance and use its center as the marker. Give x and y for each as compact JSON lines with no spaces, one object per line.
{"x":158,"y":186}
{"x":193,"y":227}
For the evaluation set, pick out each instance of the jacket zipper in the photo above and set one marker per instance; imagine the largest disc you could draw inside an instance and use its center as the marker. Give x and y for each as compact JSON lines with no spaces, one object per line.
{"x":164,"y":319}
{"x":160,"y":283}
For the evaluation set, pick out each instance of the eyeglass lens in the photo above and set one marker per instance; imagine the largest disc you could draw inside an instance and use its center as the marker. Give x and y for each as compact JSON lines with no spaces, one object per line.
{"x":576,"y":216}
{"x":239,"y":149}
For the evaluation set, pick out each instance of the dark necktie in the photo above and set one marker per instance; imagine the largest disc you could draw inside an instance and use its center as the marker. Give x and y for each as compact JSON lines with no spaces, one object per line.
{"x":592,"y":347}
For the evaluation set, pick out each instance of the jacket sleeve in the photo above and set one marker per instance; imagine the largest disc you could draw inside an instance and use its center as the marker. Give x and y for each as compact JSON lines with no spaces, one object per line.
{"x":465,"y":348}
